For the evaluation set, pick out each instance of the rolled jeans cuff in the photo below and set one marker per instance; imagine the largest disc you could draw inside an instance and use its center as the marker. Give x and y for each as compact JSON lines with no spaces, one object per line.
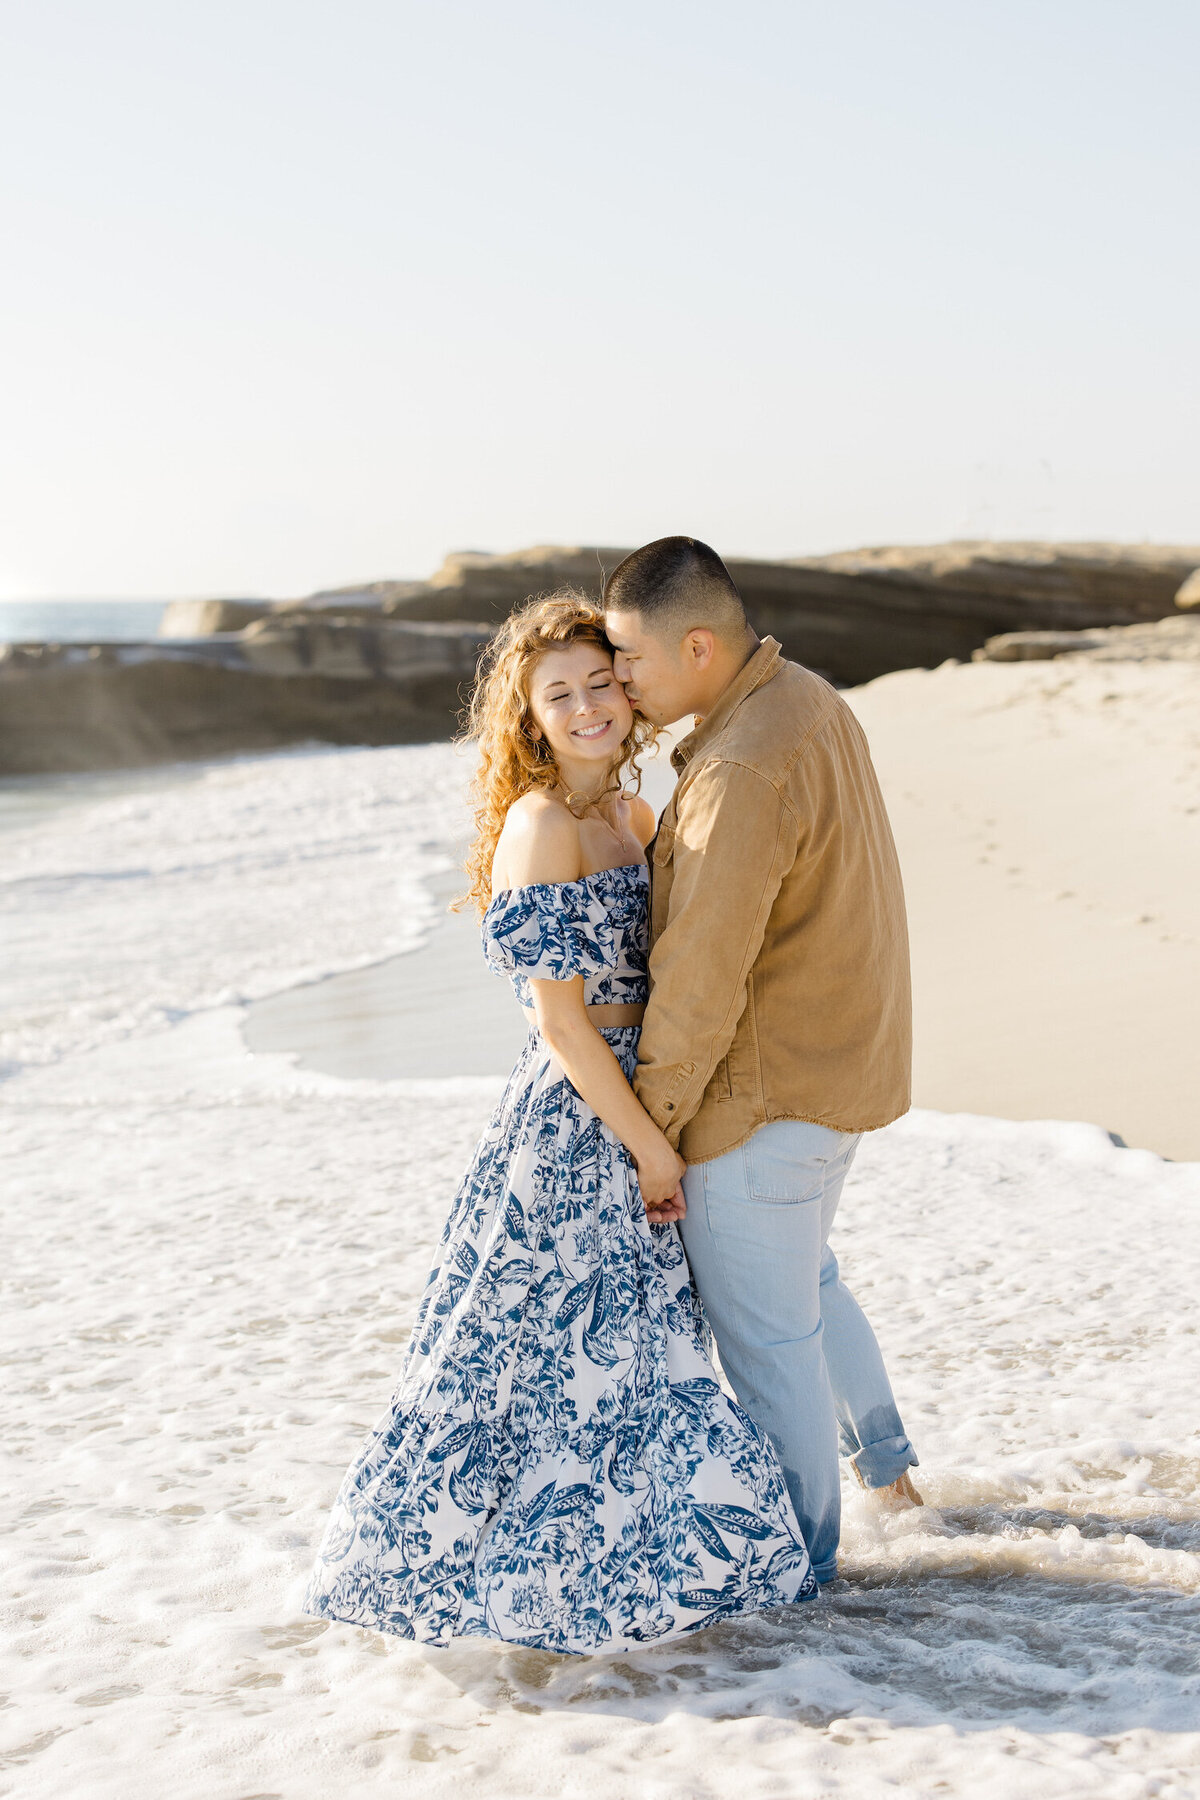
{"x":883,"y":1462}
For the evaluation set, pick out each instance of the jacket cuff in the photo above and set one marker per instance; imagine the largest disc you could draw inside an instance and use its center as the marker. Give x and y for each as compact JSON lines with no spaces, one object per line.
{"x":665,"y":1107}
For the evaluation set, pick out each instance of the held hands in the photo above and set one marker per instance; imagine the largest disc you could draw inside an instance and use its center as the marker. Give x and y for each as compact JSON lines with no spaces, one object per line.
{"x":669,"y":1211}
{"x":660,"y":1172}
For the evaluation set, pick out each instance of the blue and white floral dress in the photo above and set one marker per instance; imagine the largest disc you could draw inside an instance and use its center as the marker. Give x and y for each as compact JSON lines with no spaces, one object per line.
{"x":559,"y":1466}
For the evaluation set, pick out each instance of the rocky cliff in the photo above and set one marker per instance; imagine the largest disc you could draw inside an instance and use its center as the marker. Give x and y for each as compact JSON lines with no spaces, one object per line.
{"x":108,"y":706}
{"x":862,"y":613}
{"x":392,"y":661}
{"x":854,"y":615}
{"x":1174,"y":639}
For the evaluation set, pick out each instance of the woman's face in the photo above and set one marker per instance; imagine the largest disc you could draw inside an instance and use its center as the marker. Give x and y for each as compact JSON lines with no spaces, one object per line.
{"x":579,"y":706}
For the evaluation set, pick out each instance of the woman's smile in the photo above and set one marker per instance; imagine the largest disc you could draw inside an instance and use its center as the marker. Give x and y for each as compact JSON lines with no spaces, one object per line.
{"x":592,"y":731}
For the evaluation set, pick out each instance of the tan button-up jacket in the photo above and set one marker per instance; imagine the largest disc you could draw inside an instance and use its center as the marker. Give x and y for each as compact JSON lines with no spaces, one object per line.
{"x":779,"y":948}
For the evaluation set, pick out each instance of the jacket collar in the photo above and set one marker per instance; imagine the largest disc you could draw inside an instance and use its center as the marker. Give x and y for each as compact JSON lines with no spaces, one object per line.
{"x":762,"y":667}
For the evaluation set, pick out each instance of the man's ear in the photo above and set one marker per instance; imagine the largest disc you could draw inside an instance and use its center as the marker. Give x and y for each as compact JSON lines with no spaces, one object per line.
{"x":698,"y":647}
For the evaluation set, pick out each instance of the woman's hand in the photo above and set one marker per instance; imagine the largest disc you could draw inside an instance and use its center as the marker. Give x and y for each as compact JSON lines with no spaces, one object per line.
{"x":590,"y":1065}
{"x":660,"y":1172}
{"x":670,"y":1211}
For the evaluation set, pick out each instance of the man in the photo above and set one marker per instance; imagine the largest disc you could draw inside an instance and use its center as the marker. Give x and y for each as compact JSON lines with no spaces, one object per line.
{"x":779,"y":1023}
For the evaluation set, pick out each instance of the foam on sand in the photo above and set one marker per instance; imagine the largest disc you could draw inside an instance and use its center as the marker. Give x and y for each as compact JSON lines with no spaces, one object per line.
{"x":212,"y":1262}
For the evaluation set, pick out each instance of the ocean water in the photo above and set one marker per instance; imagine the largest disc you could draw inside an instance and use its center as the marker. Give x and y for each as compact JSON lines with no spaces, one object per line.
{"x":79,"y":621}
{"x":214,"y":884}
{"x":212,"y":1263}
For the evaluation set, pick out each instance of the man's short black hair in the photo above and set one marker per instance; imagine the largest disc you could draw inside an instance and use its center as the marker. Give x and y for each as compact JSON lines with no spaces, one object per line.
{"x":672,"y":579}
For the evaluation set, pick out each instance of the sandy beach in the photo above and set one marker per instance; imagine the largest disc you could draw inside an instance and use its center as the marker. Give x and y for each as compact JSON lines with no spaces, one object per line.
{"x":215,"y":1248}
{"x":1048,"y":821}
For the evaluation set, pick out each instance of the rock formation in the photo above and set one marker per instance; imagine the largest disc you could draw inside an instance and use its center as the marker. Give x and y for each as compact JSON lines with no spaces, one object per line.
{"x":854,"y":615}
{"x":201,"y":618}
{"x":1173,"y":639}
{"x":1189,"y":594}
{"x":861,"y":613}
{"x":370,"y":600}
{"x":392,"y":661}
{"x":108,"y":706}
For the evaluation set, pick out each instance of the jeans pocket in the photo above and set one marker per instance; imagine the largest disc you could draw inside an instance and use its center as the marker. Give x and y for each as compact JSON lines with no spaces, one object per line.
{"x":788,"y":1159}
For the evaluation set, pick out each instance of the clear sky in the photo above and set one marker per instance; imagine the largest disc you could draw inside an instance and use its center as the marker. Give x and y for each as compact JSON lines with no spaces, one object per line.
{"x":300,"y":292}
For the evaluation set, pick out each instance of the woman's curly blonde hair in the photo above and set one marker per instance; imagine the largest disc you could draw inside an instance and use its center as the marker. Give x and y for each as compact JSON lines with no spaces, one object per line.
{"x":511,"y":760}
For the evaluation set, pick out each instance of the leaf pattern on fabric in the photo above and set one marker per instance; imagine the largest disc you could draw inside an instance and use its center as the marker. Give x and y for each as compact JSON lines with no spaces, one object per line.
{"x":559,"y":1466}
{"x":597,"y":927}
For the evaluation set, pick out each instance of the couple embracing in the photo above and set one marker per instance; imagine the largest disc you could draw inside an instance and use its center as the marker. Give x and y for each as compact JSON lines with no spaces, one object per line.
{"x":718,"y":1009}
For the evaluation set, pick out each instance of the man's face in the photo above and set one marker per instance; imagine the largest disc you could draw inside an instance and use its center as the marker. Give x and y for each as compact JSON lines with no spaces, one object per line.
{"x":657,"y":677}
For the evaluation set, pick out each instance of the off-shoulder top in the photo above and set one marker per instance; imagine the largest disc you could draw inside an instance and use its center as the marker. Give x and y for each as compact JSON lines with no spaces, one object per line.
{"x":597,"y":927}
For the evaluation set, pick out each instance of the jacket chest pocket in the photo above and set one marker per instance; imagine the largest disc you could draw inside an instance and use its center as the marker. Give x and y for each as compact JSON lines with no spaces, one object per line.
{"x":662,"y":850}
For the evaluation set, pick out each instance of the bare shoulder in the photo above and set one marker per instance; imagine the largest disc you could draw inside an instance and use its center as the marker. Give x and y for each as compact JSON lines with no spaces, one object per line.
{"x":539,"y":843}
{"x":642,"y":819}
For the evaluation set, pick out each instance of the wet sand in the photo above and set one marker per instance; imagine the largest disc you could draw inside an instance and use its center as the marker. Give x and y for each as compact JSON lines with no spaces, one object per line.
{"x":433,"y":1013}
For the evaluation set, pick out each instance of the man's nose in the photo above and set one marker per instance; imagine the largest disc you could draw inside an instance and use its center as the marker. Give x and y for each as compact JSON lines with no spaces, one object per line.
{"x":620,"y":668}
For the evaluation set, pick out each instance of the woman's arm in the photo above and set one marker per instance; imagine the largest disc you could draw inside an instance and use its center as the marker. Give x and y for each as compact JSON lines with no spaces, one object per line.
{"x":540,"y":843}
{"x":595,"y":1073}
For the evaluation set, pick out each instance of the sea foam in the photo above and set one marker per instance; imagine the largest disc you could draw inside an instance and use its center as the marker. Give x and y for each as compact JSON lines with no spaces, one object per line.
{"x":212,"y":1263}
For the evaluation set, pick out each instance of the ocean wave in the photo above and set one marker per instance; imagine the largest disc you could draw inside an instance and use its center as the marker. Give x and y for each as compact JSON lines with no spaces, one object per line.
{"x":124,"y":915}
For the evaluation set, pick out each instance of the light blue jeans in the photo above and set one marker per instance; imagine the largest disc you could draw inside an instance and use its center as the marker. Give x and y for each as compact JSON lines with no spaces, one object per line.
{"x":797,"y":1347}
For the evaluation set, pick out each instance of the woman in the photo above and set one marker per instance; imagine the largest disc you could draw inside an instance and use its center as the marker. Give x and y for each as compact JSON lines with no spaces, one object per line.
{"x":559,"y":1466}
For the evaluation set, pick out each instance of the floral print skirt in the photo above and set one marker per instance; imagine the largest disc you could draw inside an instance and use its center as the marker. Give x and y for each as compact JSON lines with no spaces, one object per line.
{"x":559,"y":1466}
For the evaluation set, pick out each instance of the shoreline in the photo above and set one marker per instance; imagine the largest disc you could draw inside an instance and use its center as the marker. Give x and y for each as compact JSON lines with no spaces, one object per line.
{"x":1048,"y":821}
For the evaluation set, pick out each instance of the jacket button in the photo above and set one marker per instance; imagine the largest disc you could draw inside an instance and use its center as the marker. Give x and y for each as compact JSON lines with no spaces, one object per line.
{"x":669,"y":1106}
